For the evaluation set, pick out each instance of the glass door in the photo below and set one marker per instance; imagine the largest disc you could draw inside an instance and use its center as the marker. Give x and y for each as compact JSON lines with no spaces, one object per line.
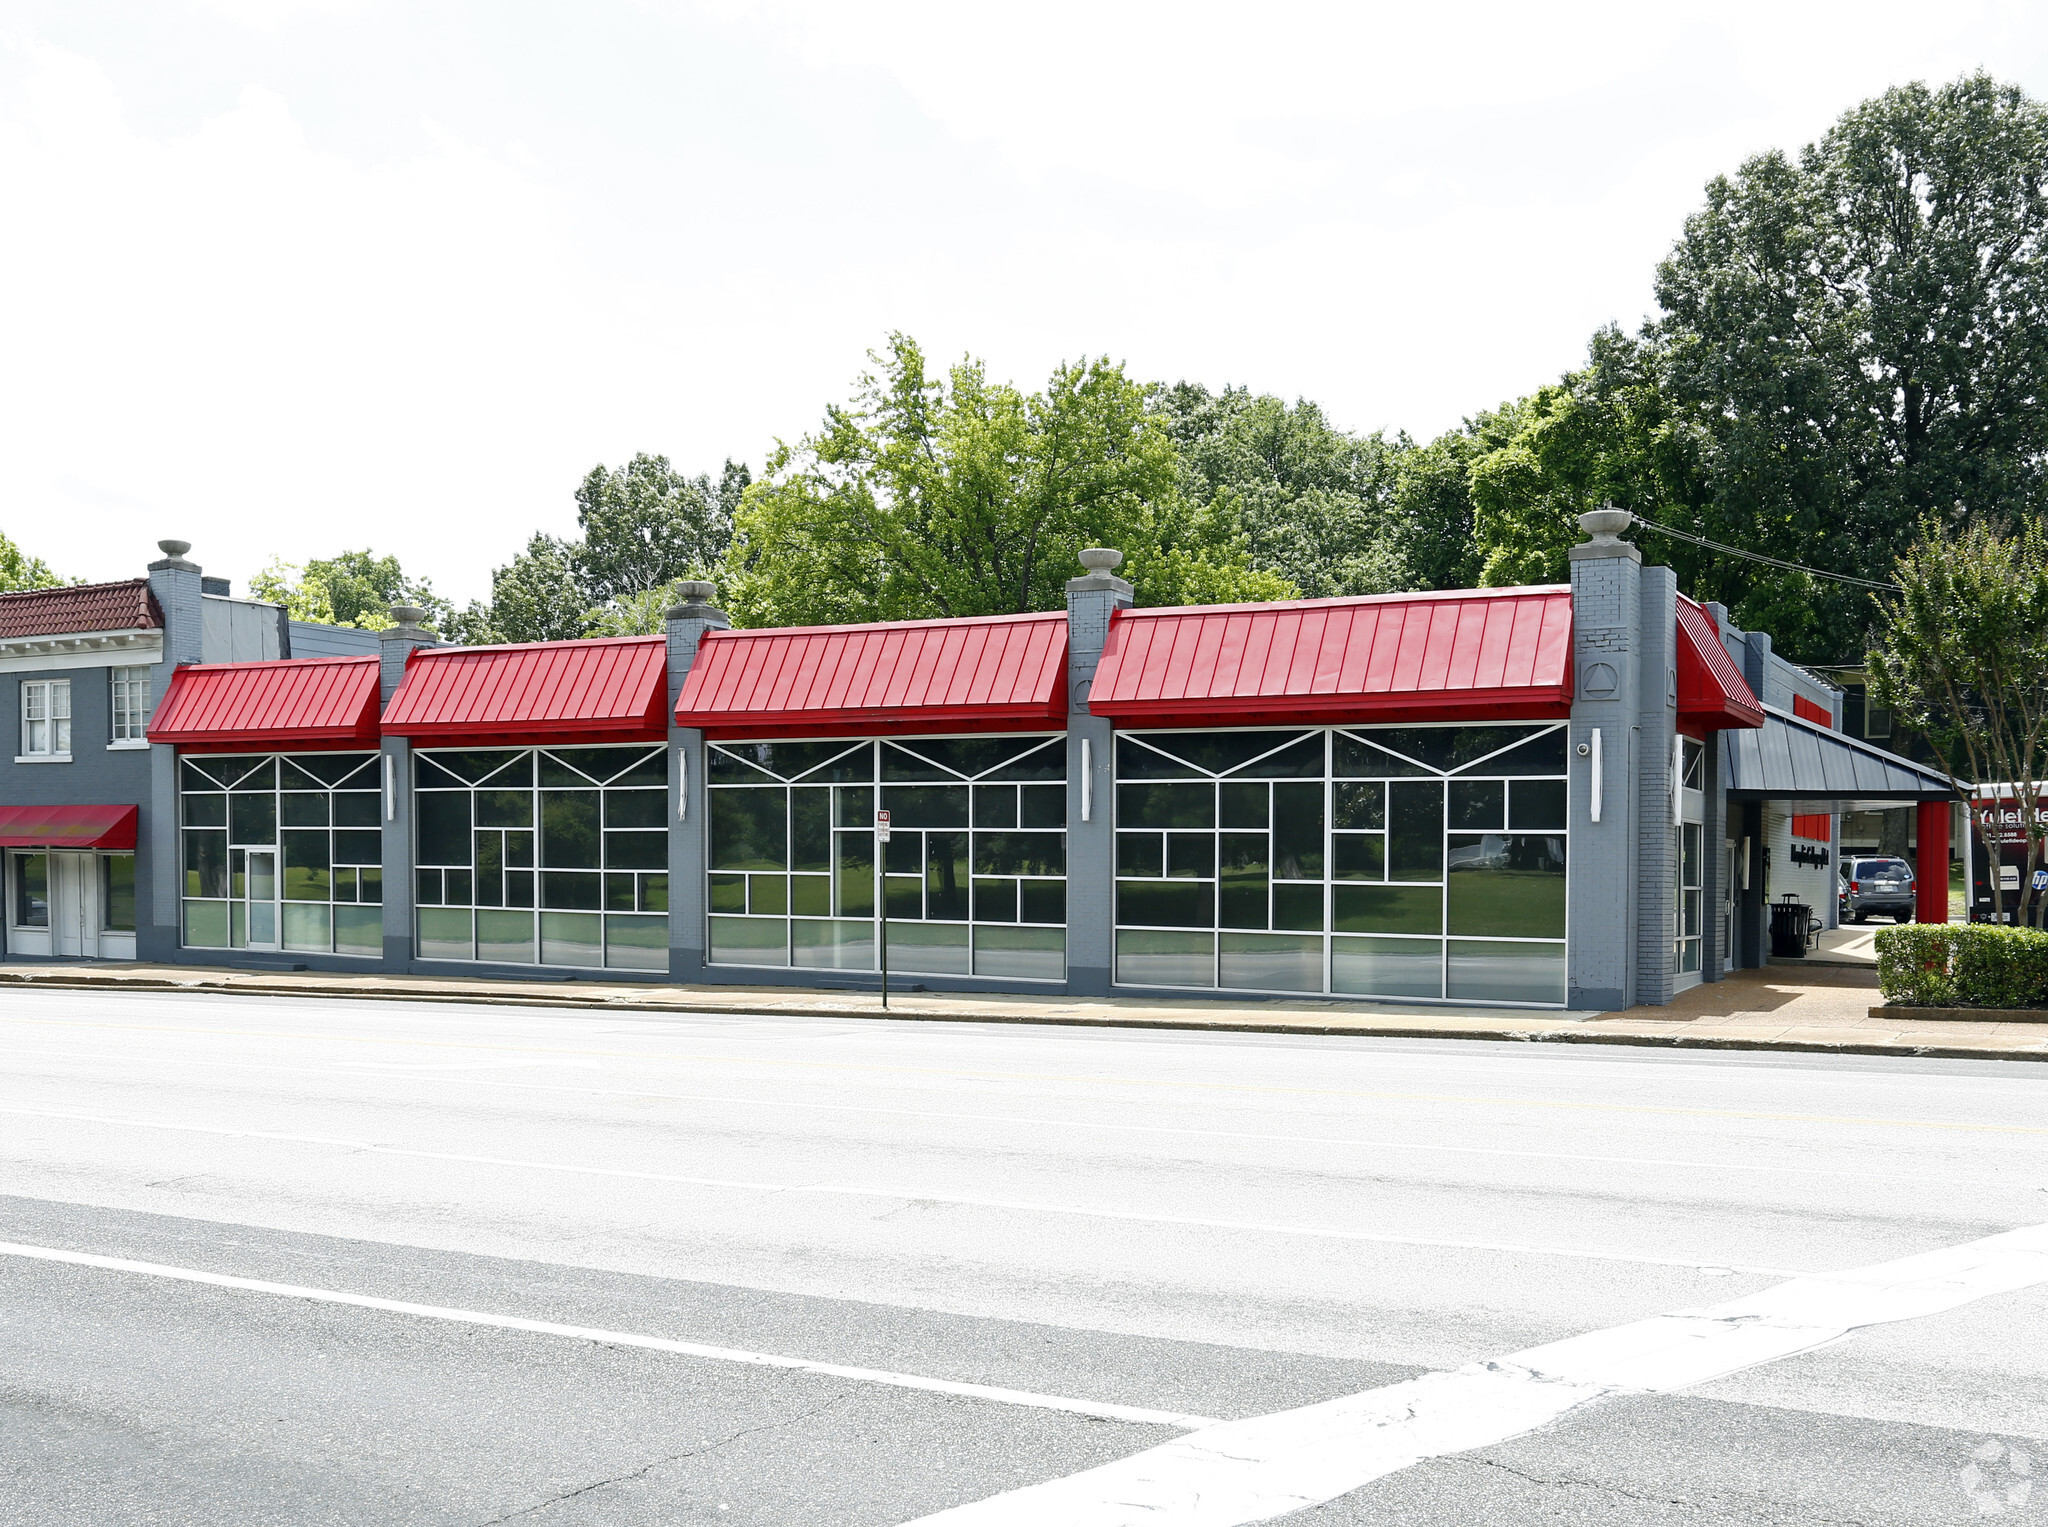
{"x":260,"y":898}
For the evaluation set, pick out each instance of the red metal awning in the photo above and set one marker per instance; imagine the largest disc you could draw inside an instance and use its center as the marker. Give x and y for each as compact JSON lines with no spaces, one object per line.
{"x":1000,"y":673}
{"x":315,"y":702}
{"x":607,"y":688}
{"x":1460,"y":655}
{"x":1712,"y":693}
{"x":67,"y":827}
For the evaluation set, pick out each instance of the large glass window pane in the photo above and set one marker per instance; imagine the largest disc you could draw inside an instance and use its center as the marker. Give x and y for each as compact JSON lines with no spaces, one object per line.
{"x":853,"y":880}
{"x":117,"y":893}
{"x":620,"y":893}
{"x":853,"y":806}
{"x":1536,"y":804}
{"x":926,"y":805}
{"x":945,"y":875}
{"x":206,"y":863}
{"x":504,"y":808}
{"x":253,"y":818}
{"x":32,"y":890}
{"x":206,"y":924}
{"x":443,"y":832}
{"x":1387,"y":967}
{"x":1298,"y":831}
{"x":636,"y":943}
{"x":810,"y":828}
{"x":904,"y":895}
{"x":767,"y":895}
{"x":1042,"y":806}
{"x":1021,"y":954}
{"x":359,"y":930}
{"x":1244,"y":805}
{"x":995,"y":805}
{"x":1387,"y":909}
{"x":1020,"y":853}
{"x":1269,"y":961}
{"x":206,"y":811}
{"x":729,"y":893}
{"x":303,"y":808}
{"x":305,"y":865}
{"x":566,"y":890}
{"x":1166,"y":903}
{"x":636,"y":850}
{"x":932,"y":949}
{"x":445,"y":934}
{"x":1298,"y":908}
{"x":307,"y":928}
{"x":1241,"y":900}
{"x":356,"y":809}
{"x":1482,"y":971}
{"x":749,"y":941}
{"x":359,"y":847}
{"x":995,"y":901}
{"x":370,"y":885}
{"x":1478,"y":805}
{"x":1141,"y":853}
{"x":1358,"y":803}
{"x":1358,"y":856}
{"x":1042,"y":901}
{"x":1190,"y":855}
{"x":749,"y":829}
{"x":568,"y":829}
{"x":809,"y":895}
{"x":636,"y":808}
{"x":834,"y":945}
{"x":1506,"y":885}
{"x":1147,"y":957}
{"x":1415,"y":830}
{"x":571,"y":938}
{"x":1161,"y":805}
{"x":505,"y":937}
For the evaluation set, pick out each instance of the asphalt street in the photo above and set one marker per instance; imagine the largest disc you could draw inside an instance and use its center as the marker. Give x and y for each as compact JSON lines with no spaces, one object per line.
{"x":334,"y":1262}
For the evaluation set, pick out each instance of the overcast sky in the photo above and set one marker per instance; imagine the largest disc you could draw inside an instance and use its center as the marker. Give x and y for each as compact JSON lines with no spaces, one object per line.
{"x":282,"y":277}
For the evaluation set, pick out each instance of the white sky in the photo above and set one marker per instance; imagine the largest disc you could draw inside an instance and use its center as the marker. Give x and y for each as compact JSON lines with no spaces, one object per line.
{"x":290,"y":276}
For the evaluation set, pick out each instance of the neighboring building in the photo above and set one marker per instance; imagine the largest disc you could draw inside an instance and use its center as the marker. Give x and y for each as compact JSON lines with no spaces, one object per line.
{"x":81,"y":670}
{"x":1571,"y":796}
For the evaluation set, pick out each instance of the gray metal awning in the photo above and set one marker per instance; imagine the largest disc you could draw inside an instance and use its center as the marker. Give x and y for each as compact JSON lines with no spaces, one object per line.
{"x":1798,"y":761}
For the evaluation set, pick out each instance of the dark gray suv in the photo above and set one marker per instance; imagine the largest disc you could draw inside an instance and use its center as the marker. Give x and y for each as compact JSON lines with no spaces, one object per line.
{"x":1876,"y":885}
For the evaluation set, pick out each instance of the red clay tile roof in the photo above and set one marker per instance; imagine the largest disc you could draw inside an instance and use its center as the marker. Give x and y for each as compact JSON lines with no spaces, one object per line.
{"x":124,"y":606}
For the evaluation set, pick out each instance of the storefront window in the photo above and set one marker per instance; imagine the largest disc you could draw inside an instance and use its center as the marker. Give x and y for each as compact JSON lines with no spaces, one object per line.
{"x":31,"y":890}
{"x":281,"y":852}
{"x":973,"y":876}
{"x":1424,"y":862}
{"x":117,"y":893}
{"x":543,"y":856}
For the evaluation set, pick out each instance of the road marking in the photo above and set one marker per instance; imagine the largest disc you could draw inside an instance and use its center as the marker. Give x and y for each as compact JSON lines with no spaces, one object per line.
{"x":1267,"y":1466}
{"x":1094,"y":1408}
{"x":915,"y":1195}
{"x":397,"y":1074}
{"x":957,"y":1073}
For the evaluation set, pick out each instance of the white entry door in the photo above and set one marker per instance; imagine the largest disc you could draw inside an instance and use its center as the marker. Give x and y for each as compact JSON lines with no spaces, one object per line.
{"x":74,"y":904}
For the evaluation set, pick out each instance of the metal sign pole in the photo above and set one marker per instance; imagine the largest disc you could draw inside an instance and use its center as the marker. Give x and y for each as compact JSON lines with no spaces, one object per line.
{"x":882,"y":891}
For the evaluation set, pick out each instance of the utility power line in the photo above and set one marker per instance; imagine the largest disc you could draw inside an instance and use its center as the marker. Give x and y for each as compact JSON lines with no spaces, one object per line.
{"x":1756,"y":556}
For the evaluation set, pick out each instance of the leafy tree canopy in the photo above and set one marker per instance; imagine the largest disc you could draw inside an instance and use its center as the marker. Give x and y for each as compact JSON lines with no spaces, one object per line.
{"x":352,"y":588}
{"x":934,"y":496}
{"x":19,"y":571}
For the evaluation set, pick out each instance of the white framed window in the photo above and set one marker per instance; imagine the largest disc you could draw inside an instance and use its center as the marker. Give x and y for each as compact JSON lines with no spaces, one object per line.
{"x":46,"y":718}
{"x":129,"y":692}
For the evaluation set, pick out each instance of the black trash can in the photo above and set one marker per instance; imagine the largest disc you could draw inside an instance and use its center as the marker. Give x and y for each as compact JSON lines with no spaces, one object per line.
{"x":1788,"y":928}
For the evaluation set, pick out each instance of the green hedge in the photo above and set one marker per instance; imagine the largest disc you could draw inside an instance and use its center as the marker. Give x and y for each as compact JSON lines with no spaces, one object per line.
{"x":1963,"y":965}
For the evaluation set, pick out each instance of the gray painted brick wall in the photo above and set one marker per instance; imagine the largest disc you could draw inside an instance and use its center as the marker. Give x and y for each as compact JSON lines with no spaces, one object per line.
{"x":1606,"y":619}
{"x":1091,"y":843}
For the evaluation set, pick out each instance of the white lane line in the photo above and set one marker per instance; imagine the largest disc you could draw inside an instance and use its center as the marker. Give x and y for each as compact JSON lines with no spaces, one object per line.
{"x":1267,"y":1466}
{"x":399,"y":1070}
{"x":918,"y":1195}
{"x":1095,"y":1408}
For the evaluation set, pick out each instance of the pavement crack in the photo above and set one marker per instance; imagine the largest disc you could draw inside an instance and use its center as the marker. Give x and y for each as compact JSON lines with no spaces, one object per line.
{"x":655,"y":1463}
{"x":1571,"y":1481}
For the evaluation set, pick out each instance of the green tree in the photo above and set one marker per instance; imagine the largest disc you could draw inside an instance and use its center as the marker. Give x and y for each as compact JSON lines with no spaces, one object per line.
{"x":351,"y":588}
{"x":955,"y":495}
{"x":1316,"y":504}
{"x":19,"y":571}
{"x":646,"y":525}
{"x":1961,"y":656}
{"x":535,"y":597}
{"x":1857,"y":338}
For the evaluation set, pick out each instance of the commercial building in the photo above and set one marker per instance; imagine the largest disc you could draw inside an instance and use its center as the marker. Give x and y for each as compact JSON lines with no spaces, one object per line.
{"x":1571,"y":796}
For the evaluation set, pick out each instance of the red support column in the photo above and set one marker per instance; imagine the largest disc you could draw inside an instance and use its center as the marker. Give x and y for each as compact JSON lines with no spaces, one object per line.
{"x":1930,"y":867}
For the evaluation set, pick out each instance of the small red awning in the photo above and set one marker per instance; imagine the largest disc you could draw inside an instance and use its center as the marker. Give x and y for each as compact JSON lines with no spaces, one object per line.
{"x":612,"y":688}
{"x":1460,"y":655}
{"x":1712,"y":693}
{"x":315,"y":702}
{"x":999,"y":673}
{"x":67,"y":827}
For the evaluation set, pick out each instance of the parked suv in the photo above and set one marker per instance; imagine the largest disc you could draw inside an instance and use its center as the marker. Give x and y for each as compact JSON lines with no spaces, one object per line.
{"x":1876,"y":885}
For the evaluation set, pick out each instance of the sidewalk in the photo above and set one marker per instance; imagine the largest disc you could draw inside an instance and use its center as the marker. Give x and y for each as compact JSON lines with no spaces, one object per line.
{"x":1823,"y":1009}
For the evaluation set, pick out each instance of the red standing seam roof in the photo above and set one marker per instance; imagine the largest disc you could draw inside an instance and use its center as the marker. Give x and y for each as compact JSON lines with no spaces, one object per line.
{"x":67,"y":827}
{"x":304,"y":702}
{"x":605,"y":688}
{"x":998,"y":673}
{"x":1465,"y":654}
{"x":1712,"y":693}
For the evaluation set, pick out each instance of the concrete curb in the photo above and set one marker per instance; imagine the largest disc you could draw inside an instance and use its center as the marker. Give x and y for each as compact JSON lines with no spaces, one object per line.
{"x":1961,"y":1014}
{"x":816,"y":1007}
